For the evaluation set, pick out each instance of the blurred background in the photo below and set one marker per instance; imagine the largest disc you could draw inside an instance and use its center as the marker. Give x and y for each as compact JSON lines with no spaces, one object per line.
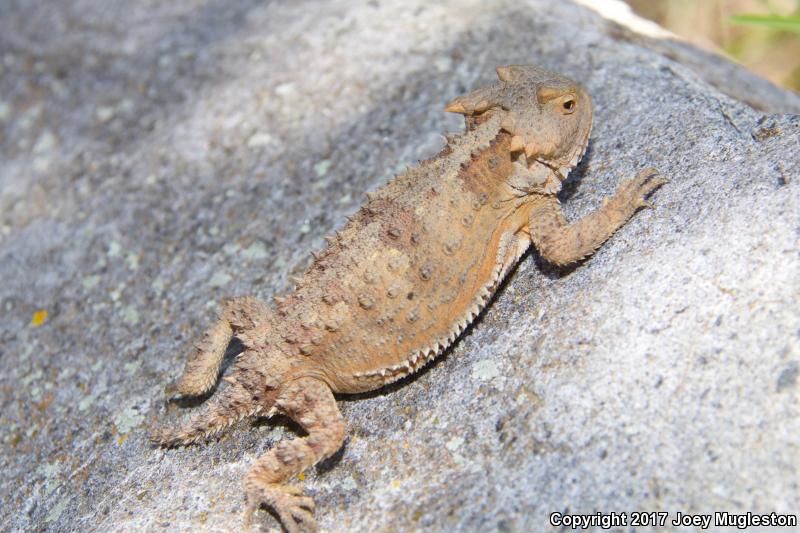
{"x":763,"y":35}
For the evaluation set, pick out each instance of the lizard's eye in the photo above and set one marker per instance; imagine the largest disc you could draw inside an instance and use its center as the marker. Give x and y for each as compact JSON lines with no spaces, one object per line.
{"x":568,"y":105}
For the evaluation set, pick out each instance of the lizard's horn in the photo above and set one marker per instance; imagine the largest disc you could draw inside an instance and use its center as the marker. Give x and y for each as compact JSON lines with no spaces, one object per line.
{"x":475,"y":102}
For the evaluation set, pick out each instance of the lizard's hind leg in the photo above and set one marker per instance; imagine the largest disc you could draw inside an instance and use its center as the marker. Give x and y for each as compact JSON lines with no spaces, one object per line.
{"x":202,"y":367}
{"x":311,"y":404}
{"x":233,"y":403}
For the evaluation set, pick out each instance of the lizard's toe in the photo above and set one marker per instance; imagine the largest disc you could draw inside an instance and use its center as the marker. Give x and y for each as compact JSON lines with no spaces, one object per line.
{"x":289,"y":503}
{"x":637,"y":189}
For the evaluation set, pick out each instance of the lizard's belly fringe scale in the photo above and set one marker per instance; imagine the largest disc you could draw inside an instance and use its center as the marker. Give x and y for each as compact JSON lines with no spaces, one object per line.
{"x":420,"y":358}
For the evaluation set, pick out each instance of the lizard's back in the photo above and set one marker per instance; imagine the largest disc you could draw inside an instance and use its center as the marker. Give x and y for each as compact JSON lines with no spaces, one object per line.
{"x":409,"y":271}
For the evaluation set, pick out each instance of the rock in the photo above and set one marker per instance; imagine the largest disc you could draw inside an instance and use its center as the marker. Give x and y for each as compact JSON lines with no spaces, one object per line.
{"x":259,"y":139}
{"x":661,"y":374}
{"x":104,"y":113}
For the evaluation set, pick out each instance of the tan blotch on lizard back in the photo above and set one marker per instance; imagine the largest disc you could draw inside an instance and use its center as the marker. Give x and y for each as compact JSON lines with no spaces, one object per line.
{"x":399,"y":283}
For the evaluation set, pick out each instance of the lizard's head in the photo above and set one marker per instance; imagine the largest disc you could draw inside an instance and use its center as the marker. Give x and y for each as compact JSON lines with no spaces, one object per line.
{"x":549,"y":116}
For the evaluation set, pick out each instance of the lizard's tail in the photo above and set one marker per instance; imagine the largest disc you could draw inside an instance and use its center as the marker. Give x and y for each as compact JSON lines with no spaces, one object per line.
{"x":227,"y":407}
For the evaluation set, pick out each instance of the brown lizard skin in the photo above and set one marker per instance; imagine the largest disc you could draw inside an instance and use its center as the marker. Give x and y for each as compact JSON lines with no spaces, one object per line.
{"x":399,"y":283}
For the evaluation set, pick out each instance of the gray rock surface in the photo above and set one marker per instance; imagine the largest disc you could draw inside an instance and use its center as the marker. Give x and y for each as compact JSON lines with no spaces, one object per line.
{"x":155,"y":157}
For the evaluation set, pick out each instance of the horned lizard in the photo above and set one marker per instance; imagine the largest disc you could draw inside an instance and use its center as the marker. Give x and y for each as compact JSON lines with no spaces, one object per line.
{"x":406,"y":275}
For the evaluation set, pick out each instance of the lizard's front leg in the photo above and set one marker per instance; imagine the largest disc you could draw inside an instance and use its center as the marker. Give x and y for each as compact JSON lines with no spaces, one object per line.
{"x":561,"y":243}
{"x":311,"y":404}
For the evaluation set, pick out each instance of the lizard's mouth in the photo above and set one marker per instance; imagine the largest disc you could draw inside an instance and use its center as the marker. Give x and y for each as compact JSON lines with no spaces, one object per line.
{"x":560,"y":167}
{"x":563,"y":167}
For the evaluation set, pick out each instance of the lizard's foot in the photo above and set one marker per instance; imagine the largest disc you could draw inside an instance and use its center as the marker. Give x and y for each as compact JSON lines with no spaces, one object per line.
{"x":289,"y":503}
{"x":633,"y":193}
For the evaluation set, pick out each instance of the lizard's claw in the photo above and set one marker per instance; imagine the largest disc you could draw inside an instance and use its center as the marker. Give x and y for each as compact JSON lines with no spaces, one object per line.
{"x":292,"y":507}
{"x":635,"y":191}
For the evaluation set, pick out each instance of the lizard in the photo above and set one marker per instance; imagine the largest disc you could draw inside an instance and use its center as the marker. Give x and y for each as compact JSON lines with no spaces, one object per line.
{"x":402,"y":280}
